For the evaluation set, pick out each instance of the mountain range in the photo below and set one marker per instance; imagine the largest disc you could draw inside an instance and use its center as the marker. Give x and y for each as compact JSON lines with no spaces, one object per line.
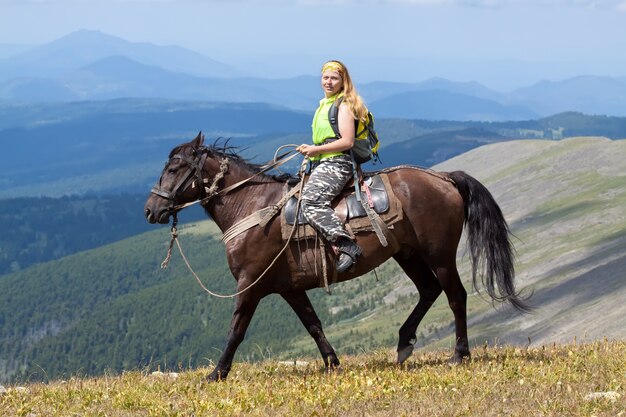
{"x":90,"y":65}
{"x":56,"y":149}
{"x":84,"y":47}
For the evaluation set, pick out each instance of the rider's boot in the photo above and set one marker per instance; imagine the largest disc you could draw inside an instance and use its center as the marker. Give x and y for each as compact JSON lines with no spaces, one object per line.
{"x":348,"y":252}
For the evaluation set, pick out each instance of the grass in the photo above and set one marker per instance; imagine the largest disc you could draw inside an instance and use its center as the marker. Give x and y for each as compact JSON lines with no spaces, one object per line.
{"x":555,"y":380}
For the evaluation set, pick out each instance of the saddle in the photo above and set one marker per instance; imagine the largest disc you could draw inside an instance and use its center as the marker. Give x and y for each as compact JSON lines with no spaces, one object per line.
{"x":346,"y":204}
{"x":386,"y":209}
{"x":377,"y":193}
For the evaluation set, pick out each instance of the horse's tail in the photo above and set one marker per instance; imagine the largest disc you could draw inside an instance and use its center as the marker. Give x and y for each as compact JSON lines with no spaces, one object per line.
{"x":488,"y":237}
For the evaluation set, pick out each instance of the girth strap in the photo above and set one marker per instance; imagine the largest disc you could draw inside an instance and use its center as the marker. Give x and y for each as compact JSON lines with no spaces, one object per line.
{"x":259,"y":217}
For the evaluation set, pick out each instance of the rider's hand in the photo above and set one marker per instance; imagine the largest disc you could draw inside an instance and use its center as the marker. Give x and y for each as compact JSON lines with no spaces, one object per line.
{"x":308,"y":150}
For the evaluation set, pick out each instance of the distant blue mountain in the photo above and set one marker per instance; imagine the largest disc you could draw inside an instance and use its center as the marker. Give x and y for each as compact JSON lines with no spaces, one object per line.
{"x":90,"y":65}
{"x":119,"y":77}
{"x":36,"y":90}
{"x":8,"y":50}
{"x":444,"y":105}
{"x":381,"y":89}
{"x":84,"y":47}
{"x":586,"y":94}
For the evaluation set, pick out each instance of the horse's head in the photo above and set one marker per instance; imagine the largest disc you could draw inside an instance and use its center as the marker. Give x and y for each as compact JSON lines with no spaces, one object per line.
{"x":181,"y":181}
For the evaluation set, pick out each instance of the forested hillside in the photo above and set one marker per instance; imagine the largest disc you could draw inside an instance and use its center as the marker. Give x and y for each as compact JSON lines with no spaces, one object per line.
{"x":41,"y":229}
{"x":120,"y":145}
{"x":113,"y":308}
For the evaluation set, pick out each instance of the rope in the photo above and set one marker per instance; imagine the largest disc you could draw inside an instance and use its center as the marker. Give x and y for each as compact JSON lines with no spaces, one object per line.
{"x":180,"y":249}
{"x":212,"y":190}
{"x":277,"y":157}
{"x":258,"y":218}
{"x":324,"y":266}
{"x":424,"y":170}
{"x":168,"y":257}
{"x":182,"y":254}
{"x":247,"y":223}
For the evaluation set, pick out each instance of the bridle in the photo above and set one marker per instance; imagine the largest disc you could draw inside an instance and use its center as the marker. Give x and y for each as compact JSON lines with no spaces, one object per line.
{"x":194,"y":176}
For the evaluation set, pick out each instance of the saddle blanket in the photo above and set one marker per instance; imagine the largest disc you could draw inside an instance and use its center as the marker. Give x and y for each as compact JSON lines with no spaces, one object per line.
{"x":349,"y":210}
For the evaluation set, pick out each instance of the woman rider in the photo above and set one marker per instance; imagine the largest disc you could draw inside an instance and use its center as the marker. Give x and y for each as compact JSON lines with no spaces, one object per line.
{"x":332,"y":163}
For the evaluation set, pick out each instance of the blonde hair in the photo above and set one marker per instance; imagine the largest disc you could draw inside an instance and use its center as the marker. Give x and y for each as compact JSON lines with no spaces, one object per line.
{"x":350,"y":96}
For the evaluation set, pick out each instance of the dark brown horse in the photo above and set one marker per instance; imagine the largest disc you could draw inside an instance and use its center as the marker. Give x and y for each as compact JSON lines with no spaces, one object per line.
{"x":435,"y":209}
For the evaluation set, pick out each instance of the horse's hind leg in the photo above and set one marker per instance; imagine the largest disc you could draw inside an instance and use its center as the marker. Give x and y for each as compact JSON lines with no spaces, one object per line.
{"x":457,"y":299}
{"x":428,"y":288}
{"x":300,"y":303}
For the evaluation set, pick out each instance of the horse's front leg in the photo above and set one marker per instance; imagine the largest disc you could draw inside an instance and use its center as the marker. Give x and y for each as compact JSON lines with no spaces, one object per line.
{"x":300,"y":303}
{"x":245,"y":307}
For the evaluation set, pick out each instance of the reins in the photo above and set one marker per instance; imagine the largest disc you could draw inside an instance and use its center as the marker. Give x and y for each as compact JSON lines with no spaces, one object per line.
{"x":260,"y":217}
{"x":211,"y":192}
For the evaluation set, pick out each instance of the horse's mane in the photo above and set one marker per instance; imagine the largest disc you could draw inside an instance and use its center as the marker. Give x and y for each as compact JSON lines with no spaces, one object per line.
{"x":222,"y":149}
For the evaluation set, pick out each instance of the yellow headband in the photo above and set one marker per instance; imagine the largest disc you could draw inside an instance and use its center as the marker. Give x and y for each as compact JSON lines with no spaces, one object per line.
{"x":332,"y":66}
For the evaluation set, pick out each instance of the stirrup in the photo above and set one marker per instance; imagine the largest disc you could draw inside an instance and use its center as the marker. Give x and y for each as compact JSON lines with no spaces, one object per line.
{"x":344,"y":262}
{"x":348,"y":252}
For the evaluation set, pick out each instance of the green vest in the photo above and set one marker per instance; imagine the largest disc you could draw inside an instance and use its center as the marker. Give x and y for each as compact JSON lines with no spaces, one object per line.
{"x":321,"y":127}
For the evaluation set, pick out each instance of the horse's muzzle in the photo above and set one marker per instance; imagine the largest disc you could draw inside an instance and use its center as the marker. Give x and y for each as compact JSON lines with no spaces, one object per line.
{"x":152,"y":216}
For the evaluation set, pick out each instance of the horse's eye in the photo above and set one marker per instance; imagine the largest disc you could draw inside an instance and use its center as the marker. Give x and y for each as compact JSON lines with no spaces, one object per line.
{"x":172,"y":170}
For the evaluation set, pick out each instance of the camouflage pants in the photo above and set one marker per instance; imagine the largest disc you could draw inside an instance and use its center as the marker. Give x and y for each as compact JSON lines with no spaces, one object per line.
{"x":326,"y":182}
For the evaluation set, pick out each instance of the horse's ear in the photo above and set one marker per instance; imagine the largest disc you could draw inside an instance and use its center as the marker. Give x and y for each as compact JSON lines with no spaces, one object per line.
{"x":198,"y":141}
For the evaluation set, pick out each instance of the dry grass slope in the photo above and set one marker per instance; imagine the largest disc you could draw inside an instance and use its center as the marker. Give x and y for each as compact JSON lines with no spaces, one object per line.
{"x":565,"y":203}
{"x":553,"y":380}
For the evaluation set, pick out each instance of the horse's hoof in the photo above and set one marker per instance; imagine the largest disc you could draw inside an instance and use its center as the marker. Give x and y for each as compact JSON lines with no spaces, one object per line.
{"x":331,"y":365}
{"x":331,"y":361}
{"x":216,"y":376}
{"x":458,"y":358}
{"x":332,"y":369}
{"x":404,"y":354}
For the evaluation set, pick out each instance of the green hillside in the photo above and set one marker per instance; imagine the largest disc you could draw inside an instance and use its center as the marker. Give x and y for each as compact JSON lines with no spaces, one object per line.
{"x":39,"y":229}
{"x":112,"y":308}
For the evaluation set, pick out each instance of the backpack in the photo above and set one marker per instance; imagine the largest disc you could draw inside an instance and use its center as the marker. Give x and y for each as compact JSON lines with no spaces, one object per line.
{"x":366,"y":141}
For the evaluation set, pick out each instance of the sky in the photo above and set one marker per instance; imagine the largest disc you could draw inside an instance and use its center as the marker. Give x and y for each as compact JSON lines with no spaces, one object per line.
{"x":503,"y":44}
